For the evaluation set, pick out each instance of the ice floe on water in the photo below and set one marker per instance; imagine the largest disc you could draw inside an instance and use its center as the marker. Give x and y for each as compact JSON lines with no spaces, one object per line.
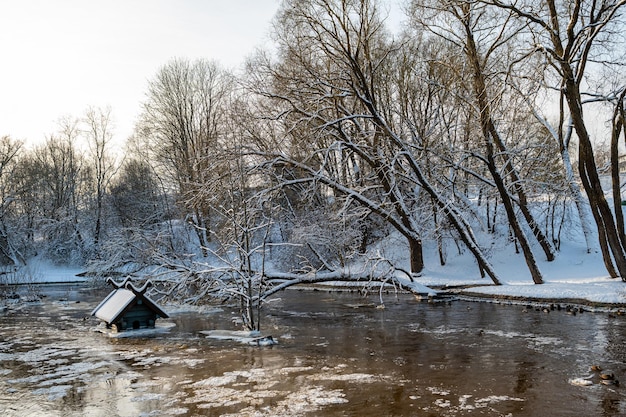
{"x":464,"y":403}
{"x":148,"y":397}
{"x":53,"y":393}
{"x":148,"y":358}
{"x":242,"y":336}
{"x":581,"y":382}
{"x":353,"y":377}
{"x":438,"y":391}
{"x":263,"y":401}
{"x":533,"y":341}
{"x":123,"y":375}
{"x":267,"y":391}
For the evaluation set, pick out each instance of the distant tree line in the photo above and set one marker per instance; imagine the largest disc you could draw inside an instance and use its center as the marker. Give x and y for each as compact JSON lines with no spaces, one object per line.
{"x":467,"y":124}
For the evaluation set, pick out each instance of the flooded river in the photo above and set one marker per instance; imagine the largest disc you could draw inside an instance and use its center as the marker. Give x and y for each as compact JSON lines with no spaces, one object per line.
{"x":338,"y":355}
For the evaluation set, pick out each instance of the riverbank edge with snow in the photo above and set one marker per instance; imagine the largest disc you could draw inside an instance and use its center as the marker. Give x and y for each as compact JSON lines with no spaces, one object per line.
{"x":575,"y":277}
{"x":541,"y":302}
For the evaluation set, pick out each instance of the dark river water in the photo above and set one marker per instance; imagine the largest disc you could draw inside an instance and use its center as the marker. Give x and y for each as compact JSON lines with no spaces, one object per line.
{"x":337,"y":355}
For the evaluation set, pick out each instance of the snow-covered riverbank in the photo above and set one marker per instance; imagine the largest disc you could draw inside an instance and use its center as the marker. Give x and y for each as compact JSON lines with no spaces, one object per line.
{"x":574,"y":275}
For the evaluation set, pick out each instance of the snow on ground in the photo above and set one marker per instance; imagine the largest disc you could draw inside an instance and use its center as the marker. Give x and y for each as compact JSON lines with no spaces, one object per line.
{"x":575,"y":274}
{"x":40,"y":270}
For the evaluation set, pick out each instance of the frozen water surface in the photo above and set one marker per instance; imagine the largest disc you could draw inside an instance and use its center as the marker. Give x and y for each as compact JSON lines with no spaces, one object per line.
{"x":332,"y":359}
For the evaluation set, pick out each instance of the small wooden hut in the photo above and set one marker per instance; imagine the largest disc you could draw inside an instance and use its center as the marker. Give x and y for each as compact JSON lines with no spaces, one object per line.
{"x":128,"y":307}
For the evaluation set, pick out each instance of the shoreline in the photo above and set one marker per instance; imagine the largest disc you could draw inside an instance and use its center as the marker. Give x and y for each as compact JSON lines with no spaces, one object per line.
{"x":445,"y":293}
{"x":590,"y":306}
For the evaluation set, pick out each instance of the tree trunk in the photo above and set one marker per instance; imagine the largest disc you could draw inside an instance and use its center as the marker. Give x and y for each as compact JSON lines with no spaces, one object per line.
{"x":97,"y":231}
{"x":545,"y":244}
{"x":416,"y":255}
{"x":582,"y":204}
{"x":460,"y":225}
{"x":604,"y":248}
{"x":490,"y":136}
{"x":6,"y":258}
{"x":618,"y":122}
{"x":591,"y":180}
{"x":572,"y":68}
{"x":439,"y":237}
{"x":455,"y":218}
{"x":199,"y":223}
{"x":513,"y":221}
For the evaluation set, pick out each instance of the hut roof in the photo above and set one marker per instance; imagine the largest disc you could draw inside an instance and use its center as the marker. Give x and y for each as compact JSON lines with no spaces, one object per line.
{"x":121,"y":299}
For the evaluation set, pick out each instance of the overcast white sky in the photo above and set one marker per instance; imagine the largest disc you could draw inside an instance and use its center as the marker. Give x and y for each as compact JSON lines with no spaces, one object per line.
{"x":59,"y":57}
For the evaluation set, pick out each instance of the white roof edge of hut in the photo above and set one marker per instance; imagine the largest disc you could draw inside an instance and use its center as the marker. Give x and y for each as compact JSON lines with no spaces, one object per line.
{"x":120,"y":298}
{"x":114,"y":305}
{"x":103,"y":302}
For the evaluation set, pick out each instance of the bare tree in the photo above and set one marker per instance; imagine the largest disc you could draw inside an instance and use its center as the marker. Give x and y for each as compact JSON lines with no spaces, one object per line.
{"x":136,"y":195}
{"x":9,"y":150}
{"x":99,"y":136}
{"x":181,"y":124}
{"x":331,"y":88}
{"x":64,"y":183}
{"x":234,"y":269}
{"x":568,"y":34}
{"x":26,"y":181}
{"x":618,"y":129}
{"x":481,"y":42}
{"x":246,"y":220}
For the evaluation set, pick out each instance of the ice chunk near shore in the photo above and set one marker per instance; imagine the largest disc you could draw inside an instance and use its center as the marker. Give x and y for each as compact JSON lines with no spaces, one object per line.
{"x":581,"y":382}
{"x":253,"y":338}
{"x":420,"y":290}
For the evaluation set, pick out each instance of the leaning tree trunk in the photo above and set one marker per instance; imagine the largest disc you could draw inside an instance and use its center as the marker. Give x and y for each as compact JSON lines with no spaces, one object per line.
{"x":362,"y":89}
{"x":456,"y":219}
{"x":490,"y":136}
{"x":582,"y":204}
{"x":591,"y":180}
{"x":513,"y":220}
{"x":613,"y":251}
{"x":545,"y":244}
{"x":610,"y":244}
{"x":618,"y":125}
